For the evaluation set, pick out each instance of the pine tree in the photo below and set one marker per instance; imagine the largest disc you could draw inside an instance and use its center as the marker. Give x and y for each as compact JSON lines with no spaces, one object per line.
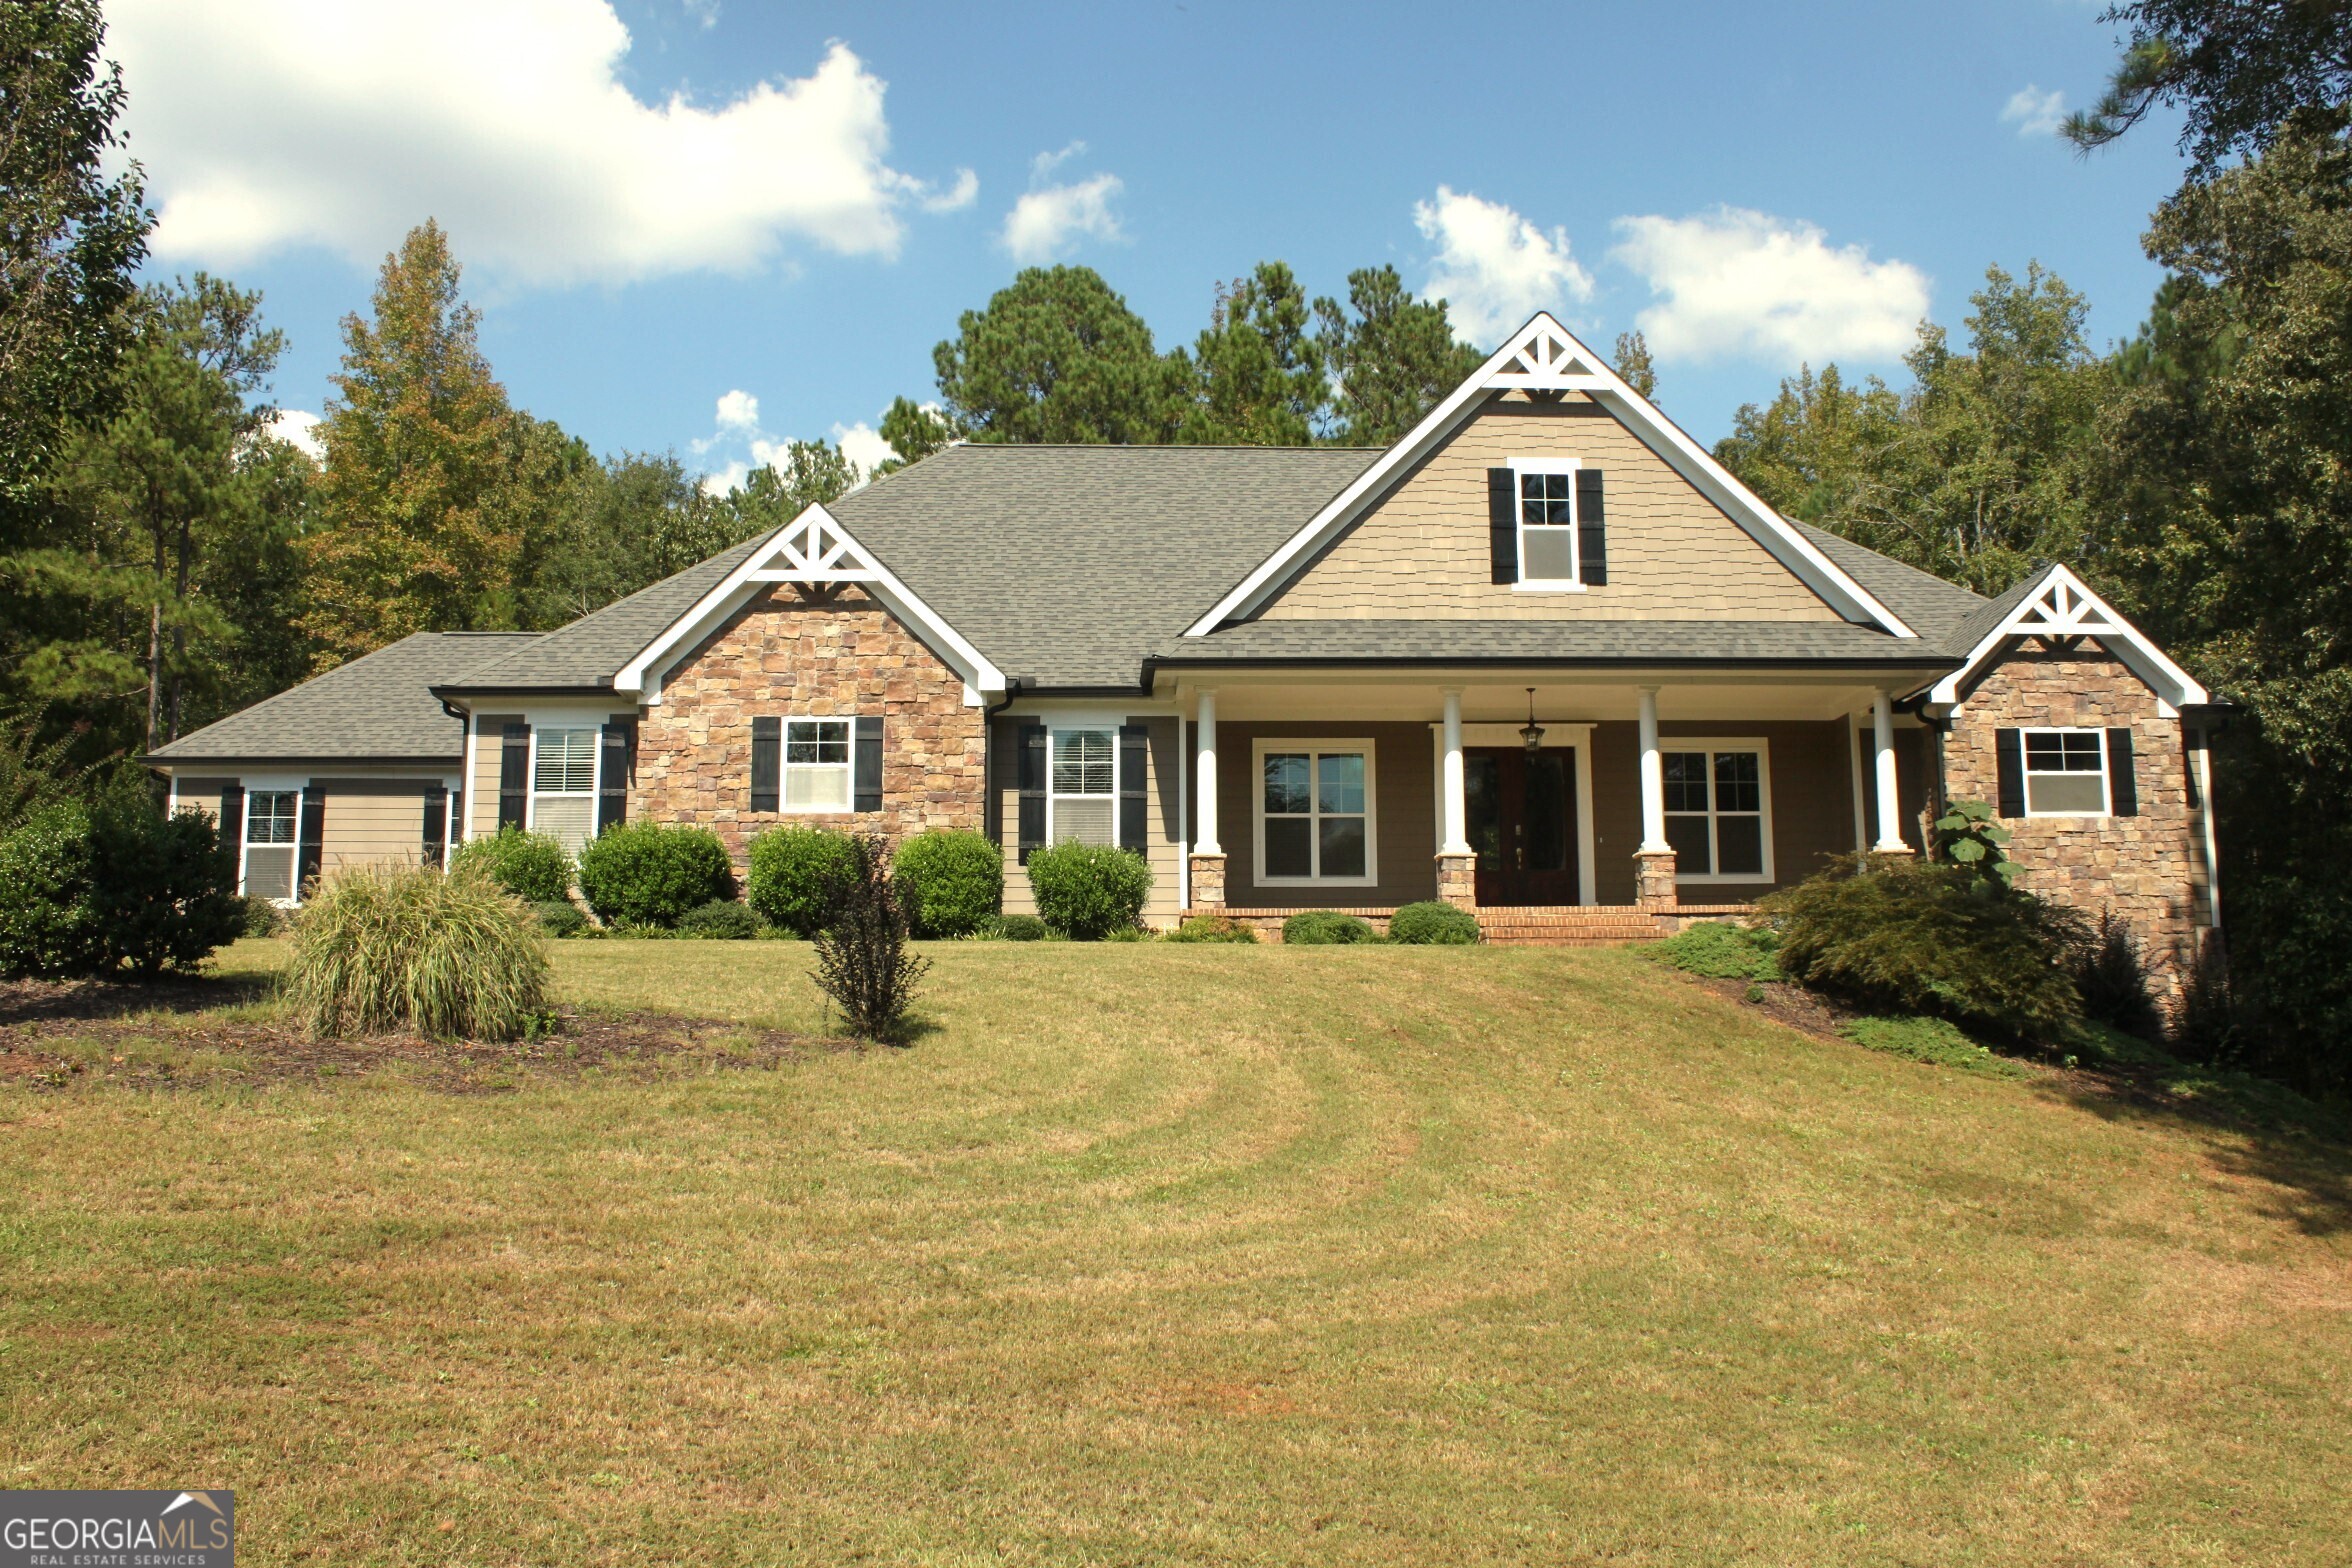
{"x":1392,"y":359}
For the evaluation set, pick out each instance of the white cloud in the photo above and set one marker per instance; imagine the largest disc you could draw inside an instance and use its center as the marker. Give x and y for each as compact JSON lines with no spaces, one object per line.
{"x":863,"y":445}
{"x":1739,"y":282}
{"x":1493,"y":268}
{"x":298,"y":428}
{"x":2034,"y":112}
{"x":1048,"y":220}
{"x":265,"y":124}
{"x":738,"y":412}
{"x":737,"y":432}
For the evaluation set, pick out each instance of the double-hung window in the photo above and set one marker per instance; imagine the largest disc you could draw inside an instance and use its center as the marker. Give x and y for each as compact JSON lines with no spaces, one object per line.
{"x":2066,"y":773}
{"x":1718,"y":816}
{"x":1547,"y":522}
{"x":816,"y":765}
{"x":270,"y":819}
{"x":563,"y":785}
{"x":1315,"y":812}
{"x":1082,"y":794}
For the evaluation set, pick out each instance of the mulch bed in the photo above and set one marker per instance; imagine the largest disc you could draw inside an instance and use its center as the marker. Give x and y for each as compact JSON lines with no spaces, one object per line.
{"x":126,"y":1023}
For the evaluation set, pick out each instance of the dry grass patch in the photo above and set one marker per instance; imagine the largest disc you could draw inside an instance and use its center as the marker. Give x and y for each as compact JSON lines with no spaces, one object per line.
{"x":1216,"y":1254}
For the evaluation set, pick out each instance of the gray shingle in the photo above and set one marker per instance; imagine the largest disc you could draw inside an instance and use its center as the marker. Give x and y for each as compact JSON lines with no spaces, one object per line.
{"x":376,"y":708}
{"x":1928,"y":605}
{"x":1961,"y":638}
{"x":1598,"y":642}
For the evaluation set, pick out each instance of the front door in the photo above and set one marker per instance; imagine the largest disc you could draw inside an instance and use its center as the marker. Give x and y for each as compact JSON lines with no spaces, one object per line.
{"x":1522,"y":811}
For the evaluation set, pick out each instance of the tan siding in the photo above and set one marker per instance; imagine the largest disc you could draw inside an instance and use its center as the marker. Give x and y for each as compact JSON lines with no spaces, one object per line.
{"x":1404,"y":782}
{"x":204,"y":794}
{"x":482,"y":798}
{"x":369,"y":821}
{"x":1421,"y":552}
{"x":1166,"y":846}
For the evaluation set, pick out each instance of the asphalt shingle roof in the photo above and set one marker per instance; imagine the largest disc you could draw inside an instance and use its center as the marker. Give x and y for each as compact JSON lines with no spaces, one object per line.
{"x":376,"y":708}
{"x":1927,"y":604}
{"x":1598,"y":642}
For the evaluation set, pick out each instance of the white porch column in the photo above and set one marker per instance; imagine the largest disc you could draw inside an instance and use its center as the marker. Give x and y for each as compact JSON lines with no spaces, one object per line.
{"x":1455,"y":806}
{"x":1205,"y":779}
{"x":1890,"y":813}
{"x":1653,"y":779}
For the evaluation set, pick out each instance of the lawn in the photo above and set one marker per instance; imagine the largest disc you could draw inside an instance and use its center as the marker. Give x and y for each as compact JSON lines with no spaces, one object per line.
{"x":1162,"y":1254}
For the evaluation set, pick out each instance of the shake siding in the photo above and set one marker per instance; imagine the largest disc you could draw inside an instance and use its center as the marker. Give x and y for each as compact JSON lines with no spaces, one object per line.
{"x":1166,"y":847}
{"x":1404,"y":815}
{"x":1421,"y":552}
{"x":481,"y":802}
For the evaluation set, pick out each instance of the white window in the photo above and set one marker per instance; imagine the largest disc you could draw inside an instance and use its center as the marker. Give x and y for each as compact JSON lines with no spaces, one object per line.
{"x":1315,"y":812}
{"x":271,"y":818}
{"x":816,"y":765}
{"x":1718,"y":810}
{"x":563,"y":784}
{"x":1082,"y":787}
{"x":2066,"y":773}
{"x":1548,"y":555}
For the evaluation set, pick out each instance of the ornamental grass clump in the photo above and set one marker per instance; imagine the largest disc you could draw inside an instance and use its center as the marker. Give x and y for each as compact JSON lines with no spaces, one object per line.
{"x":379,"y":949}
{"x":863,"y":965}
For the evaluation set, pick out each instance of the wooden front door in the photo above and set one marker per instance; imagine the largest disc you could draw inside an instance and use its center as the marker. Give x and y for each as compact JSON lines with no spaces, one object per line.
{"x":1522,"y":812}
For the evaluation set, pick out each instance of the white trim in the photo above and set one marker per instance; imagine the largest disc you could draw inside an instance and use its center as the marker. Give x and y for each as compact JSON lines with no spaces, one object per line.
{"x":1861,"y":790}
{"x":2202,"y":760}
{"x":813,"y":549}
{"x":1183,"y":815}
{"x":2027,"y":773}
{"x":1574,"y":581}
{"x":1316,"y":745}
{"x":1059,"y":725}
{"x":2062,"y":605}
{"x":293,"y":846}
{"x":784,"y":806}
{"x":1553,"y":360}
{"x":1568,"y":733}
{"x":472,"y":773}
{"x":1711,"y":744}
{"x":531,"y":790}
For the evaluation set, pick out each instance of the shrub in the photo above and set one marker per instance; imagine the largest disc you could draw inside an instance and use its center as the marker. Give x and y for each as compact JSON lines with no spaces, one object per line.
{"x":92,"y":890}
{"x":2205,"y":1025}
{"x":1718,"y":950}
{"x":1087,"y":891}
{"x":953,"y":879}
{"x":1915,"y":936}
{"x":1020,"y":928}
{"x":862,"y":960}
{"x":559,"y":917}
{"x":394,"y":947}
{"x":651,"y":873}
{"x":1968,"y":837}
{"x":262,"y":916}
{"x":1433,"y":922}
{"x":720,"y":920}
{"x":532,"y":866}
{"x":1213,"y":928}
{"x":1326,"y":928}
{"x":791,"y":868}
{"x":2111,"y":976}
{"x":1932,"y":1040}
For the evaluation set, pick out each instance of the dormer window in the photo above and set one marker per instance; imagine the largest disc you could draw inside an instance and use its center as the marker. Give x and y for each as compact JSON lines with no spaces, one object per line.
{"x":1547,"y":524}
{"x":1544,"y":515}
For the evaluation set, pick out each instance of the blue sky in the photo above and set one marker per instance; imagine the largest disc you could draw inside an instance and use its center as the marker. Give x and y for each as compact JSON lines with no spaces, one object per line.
{"x":710,"y":225}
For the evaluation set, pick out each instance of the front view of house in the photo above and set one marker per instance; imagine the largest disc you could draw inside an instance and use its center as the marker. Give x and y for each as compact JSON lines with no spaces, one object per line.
{"x":1544,"y":657}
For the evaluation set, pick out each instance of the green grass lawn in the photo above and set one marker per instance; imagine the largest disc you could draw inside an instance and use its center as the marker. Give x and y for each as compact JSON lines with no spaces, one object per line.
{"x":1189,"y":1254}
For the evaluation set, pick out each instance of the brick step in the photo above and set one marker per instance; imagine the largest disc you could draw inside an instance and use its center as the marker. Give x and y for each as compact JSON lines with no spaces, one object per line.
{"x":1579,"y":925}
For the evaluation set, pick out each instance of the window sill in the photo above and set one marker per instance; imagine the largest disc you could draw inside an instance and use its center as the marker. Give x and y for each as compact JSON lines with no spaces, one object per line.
{"x":2066,"y":816}
{"x":1549,"y":585}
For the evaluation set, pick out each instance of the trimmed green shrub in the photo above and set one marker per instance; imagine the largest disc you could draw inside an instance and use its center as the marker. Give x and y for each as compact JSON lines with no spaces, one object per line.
{"x":532,"y":866}
{"x":863,"y":965}
{"x":791,"y":868}
{"x":262,"y":916}
{"x":559,"y":917}
{"x":1433,"y":922}
{"x":1916,"y":936}
{"x":1719,"y":950}
{"x":1932,"y":1040}
{"x":1020,"y":928}
{"x":94,"y":890}
{"x":1213,"y":928}
{"x":651,"y":873}
{"x":952,"y":878}
{"x":1326,"y":928}
{"x":720,"y":920}
{"x":404,"y":947}
{"x":1087,"y":891}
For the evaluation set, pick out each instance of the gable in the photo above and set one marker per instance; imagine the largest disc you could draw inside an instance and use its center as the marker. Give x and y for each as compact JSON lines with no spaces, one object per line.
{"x":1420,"y":550}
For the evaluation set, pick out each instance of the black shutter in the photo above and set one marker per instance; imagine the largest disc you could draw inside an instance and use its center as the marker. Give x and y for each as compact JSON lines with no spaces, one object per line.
{"x":1592,"y":529}
{"x":2123,"y":783}
{"x":865,"y":767}
{"x":514,"y":767}
{"x":310,"y":856}
{"x":2009,"y":757}
{"x":1134,"y":799}
{"x":436,"y":823}
{"x":767,"y":763}
{"x":232,"y":827}
{"x":612,"y":774}
{"x":1031,"y":748}
{"x":1502,"y":523}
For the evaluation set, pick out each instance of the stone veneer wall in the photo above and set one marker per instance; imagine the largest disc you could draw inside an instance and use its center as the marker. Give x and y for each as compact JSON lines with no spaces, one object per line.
{"x":788,"y":658}
{"x":2148,"y":868}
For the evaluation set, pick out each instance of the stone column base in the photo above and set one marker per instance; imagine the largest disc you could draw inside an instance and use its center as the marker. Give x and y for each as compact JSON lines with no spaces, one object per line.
{"x":1208,"y":881}
{"x":1653,"y":880}
{"x":1457,"y":880}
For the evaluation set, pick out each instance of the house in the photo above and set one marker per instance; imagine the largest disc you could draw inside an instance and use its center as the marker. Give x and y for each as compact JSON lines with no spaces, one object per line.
{"x":1543,"y":657}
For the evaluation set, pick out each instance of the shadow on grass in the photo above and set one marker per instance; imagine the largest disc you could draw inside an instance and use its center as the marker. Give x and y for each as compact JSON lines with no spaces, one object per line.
{"x":36,"y":1001}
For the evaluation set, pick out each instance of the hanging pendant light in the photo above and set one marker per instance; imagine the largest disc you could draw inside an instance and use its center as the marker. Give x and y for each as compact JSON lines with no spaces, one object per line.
{"x":1533,"y":734}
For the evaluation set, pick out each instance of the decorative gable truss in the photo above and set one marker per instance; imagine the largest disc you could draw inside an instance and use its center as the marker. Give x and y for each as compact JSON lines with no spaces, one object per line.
{"x":1544,"y":356}
{"x":815,"y":554}
{"x":2060,"y":609}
